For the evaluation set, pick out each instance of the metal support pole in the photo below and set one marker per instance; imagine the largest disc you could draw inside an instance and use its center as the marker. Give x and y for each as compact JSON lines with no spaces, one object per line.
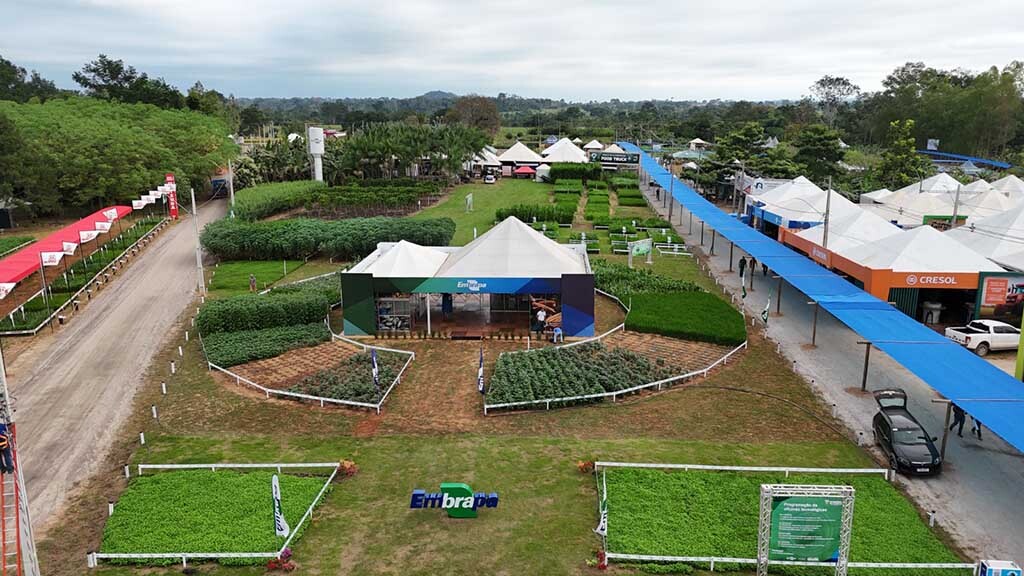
{"x":814,"y":326}
{"x":231,"y":187}
{"x":429,"y":331}
{"x":867,"y":358}
{"x":945,"y":427}
{"x":199,"y":247}
{"x":778,"y":298}
{"x":714,"y":234}
{"x":671,"y":200}
{"x":701,"y":232}
{"x":689,"y":230}
{"x":730,"y":255}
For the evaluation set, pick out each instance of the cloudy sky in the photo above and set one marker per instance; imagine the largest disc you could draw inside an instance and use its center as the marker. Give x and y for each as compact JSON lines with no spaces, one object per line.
{"x":572,"y":49}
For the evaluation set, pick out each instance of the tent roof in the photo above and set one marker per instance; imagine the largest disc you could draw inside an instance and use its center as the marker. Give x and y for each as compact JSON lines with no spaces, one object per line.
{"x":615,"y":149}
{"x":577,"y":140}
{"x":562,"y":143}
{"x":877,"y":195}
{"x":519,"y":153}
{"x":811,"y":207}
{"x":593,"y":145}
{"x":513,"y":250}
{"x":976,"y":187}
{"x":698,"y":141}
{"x":566,"y":153}
{"x":525,"y":170}
{"x":987,"y":204}
{"x":795,"y":188}
{"x":998,"y":237}
{"x":923,"y":249}
{"x":851,"y":230}
{"x":407,"y":260}
{"x":941,"y":183}
{"x":1010,"y":184}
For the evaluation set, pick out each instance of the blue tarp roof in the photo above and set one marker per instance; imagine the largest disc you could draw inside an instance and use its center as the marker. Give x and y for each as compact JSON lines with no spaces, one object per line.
{"x":964,"y":158}
{"x":992,"y":396}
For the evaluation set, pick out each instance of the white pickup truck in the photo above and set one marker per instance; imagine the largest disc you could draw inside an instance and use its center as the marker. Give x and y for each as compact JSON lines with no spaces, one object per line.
{"x":985,"y":335}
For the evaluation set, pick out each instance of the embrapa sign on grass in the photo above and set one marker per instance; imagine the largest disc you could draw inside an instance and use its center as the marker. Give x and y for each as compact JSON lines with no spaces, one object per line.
{"x":456,"y":498}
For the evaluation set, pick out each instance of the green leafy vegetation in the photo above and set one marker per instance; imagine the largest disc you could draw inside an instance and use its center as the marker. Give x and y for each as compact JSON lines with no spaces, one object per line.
{"x":561,"y":171}
{"x":234,"y":239}
{"x":542,"y":212}
{"x":590,"y":368}
{"x":328,"y":286}
{"x":716,"y":514}
{"x":9,"y":243}
{"x":255,"y":312}
{"x":623,"y":281}
{"x":268,"y":199}
{"x":204,"y":511}
{"x":353,"y":378}
{"x":487,"y":199}
{"x":226,"y":349}
{"x":688,"y":315}
{"x":355,"y":198}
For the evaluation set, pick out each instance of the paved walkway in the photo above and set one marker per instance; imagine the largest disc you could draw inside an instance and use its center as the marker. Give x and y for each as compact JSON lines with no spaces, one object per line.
{"x":73,"y":390}
{"x":977,"y":498}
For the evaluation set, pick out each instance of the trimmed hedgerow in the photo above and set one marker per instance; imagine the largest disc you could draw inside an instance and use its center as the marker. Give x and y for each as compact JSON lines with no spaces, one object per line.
{"x":234,"y":239}
{"x":268,"y":199}
{"x":574,"y":171}
{"x":632,"y":201}
{"x":696,"y":316}
{"x":226,"y":349}
{"x":255,"y":312}
{"x":622,"y":281}
{"x":542,"y":212}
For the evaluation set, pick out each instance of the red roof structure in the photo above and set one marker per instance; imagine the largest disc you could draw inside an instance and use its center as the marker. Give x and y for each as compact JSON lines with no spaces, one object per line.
{"x":25,"y":262}
{"x":525,"y":170}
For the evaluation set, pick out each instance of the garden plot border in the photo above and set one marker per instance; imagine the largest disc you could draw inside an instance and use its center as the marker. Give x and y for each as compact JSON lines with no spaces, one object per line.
{"x":93,"y":558}
{"x":121,"y":258}
{"x":601,"y":468}
{"x":322,"y":400}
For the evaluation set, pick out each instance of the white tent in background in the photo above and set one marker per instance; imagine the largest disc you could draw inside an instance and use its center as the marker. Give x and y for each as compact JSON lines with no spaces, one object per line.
{"x":690,"y":166}
{"x":593,"y":145}
{"x":577,"y":141}
{"x":1011,"y":184}
{"x":986,"y":204}
{"x":999,"y":238}
{"x":976,"y":187}
{"x":520,"y":154}
{"x":811,"y":208}
{"x":923,"y":249}
{"x":614,"y":149}
{"x":797,"y":187}
{"x":851,"y":229}
{"x":558,"y":144}
{"x":913,"y":210}
{"x":698,"y":144}
{"x":514,"y":250}
{"x":408,"y":260}
{"x":876,"y":196}
{"x":569,"y":153}
{"x":843,"y":145}
{"x":941,"y":183}
{"x":543,"y":173}
{"x":970,"y":168}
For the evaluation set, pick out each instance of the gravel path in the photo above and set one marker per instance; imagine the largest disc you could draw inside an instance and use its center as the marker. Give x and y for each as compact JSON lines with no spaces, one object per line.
{"x":72,"y":390}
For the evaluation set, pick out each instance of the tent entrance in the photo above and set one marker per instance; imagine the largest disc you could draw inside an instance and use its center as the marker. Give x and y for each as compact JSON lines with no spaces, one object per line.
{"x":477,"y":316}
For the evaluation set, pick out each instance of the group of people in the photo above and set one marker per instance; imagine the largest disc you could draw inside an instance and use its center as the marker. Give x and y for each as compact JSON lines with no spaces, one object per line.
{"x":6,"y":454}
{"x":752,"y":264}
{"x":959,"y":418}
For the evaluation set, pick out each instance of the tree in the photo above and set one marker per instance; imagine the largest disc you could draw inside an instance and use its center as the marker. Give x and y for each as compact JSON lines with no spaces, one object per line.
{"x":901,"y":164}
{"x":110,"y":79}
{"x":477,"y":112}
{"x":776,"y":163}
{"x":818,"y":149}
{"x":831,"y":93}
{"x":741,"y":144}
{"x":250,"y":120}
{"x":18,"y":85}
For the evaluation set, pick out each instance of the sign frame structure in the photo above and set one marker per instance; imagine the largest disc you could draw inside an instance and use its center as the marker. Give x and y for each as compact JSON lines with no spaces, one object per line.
{"x":769,"y":492}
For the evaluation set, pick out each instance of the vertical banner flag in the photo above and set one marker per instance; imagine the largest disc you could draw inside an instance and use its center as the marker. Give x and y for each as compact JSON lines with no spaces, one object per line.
{"x":281,"y":527}
{"x":172,"y":197}
{"x":480,"y":373}
{"x":376,"y":371}
{"x":602,"y":525}
{"x":767,"y":307}
{"x":69,"y":247}
{"x":743,"y":282}
{"x":50,"y":258}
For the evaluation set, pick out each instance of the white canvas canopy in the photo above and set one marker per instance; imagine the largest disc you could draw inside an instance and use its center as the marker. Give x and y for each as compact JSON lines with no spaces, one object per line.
{"x":976,"y":187}
{"x":566,"y":153}
{"x":520,"y":154}
{"x":850,"y":230}
{"x":986,"y":204}
{"x":403,"y":260}
{"x":876,"y":196}
{"x":593,"y":145}
{"x":513,"y":250}
{"x":698,"y":144}
{"x":577,"y":141}
{"x":543,"y":172}
{"x":690,"y":166}
{"x":614,"y":149}
{"x":923,"y":249}
{"x":1000,"y":238}
{"x":1011,"y":184}
{"x":563,"y":144}
{"x":795,"y":188}
{"x":811,"y":208}
{"x":941,"y":183}
{"x":913,"y":210}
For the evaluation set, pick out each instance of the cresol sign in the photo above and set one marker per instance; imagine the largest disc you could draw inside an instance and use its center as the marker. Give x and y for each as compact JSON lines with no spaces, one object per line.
{"x":922,"y":280}
{"x":455,"y":498}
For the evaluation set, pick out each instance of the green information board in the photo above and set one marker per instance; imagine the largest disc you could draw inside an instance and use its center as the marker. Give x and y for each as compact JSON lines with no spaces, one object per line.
{"x":806,"y":528}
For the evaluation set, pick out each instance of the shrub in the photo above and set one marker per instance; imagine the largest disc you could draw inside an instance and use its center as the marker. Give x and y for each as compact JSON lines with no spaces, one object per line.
{"x":269,"y":199}
{"x":328,"y":286}
{"x":227,"y":349}
{"x":597,"y":185}
{"x":629,"y":193}
{"x":353,"y":378}
{"x":545,"y":212}
{"x":622,"y":281}
{"x":234,"y":239}
{"x":689,"y":315}
{"x":255,"y":312}
{"x":631,"y":201}
{"x":575,"y":171}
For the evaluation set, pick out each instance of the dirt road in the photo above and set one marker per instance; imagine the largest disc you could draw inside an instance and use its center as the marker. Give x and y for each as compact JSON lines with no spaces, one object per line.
{"x":73,"y":390}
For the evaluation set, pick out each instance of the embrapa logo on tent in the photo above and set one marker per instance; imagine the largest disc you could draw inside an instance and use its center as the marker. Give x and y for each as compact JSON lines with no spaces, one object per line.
{"x":456,"y":498}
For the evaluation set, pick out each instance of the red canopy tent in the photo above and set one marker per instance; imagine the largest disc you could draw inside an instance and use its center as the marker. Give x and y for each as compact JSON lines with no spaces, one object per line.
{"x":525,"y":171}
{"x":25,"y":262}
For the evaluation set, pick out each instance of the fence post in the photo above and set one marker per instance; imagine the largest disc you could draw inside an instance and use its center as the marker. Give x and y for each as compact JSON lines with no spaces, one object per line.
{"x":127,"y":472}
{"x":110,"y":507}
{"x":142,"y":438}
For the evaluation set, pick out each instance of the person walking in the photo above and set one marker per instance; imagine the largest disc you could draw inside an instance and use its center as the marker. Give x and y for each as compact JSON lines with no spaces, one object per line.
{"x":976,"y":427}
{"x":743,"y":265}
{"x":764,"y":269}
{"x":958,"y":420}
{"x":252,"y":282}
{"x":6,"y":456}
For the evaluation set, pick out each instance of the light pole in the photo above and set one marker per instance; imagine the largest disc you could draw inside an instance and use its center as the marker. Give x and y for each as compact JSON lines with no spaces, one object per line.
{"x":199,"y":248}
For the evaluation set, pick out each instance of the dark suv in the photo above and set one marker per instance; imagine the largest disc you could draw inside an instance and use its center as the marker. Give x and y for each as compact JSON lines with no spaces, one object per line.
{"x":906,"y":444}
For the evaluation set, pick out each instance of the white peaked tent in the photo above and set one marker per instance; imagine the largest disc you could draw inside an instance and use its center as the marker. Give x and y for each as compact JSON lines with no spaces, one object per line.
{"x":513,"y":250}
{"x":795,"y":188}
{"x":614,"y":149}
{"x":564,"y":143}
{"x":698,"y":144}
{"x":976,"y":187}
{"x":941,"y":183}
{"x":593,"y":145}
{"x":850,"y":230}
{"x":986,"y":204}
{"x":999,"y":238}
{"x":520,"y":154}
{"x":407,"y":260}
{"x":923,"y":249}
{"x":876,"y":196}
{"x":577,"y":141}
{"x":1011,"y":184}
{"x":568,"y":153}
{"x":913,"y":210}
{"x":543,"y":172}
{"x":811,"y":208}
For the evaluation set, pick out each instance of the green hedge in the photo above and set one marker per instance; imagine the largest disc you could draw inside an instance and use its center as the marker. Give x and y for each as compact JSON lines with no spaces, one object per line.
{"x":542,"y":212}
{"x":622,"y":281}
{"x":689,"y":315}
{"x":328,"y":286}
{"x":269,"y":199}
{"x":631,"y":201}
{"x":227,"y":349}
{"x":629,"y":193}
{"x":234,"y":239}
{"x":256,"y":312}
{"x":575,"y":171}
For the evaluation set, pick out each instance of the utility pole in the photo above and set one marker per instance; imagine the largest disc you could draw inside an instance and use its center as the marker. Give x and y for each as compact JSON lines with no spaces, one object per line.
{"x":956,"y":206}
{"x":199,"y":249}
{"x":231,"y":187}
{"x":828,"y":206}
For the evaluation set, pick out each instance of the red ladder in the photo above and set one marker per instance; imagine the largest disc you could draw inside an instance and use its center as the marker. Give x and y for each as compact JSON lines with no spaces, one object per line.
{"x":10,"y":511}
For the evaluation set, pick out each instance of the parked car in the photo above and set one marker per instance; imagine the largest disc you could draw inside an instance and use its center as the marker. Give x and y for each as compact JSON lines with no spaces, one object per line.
{"x":905,"y":442}
{"x":490,"y":179}
{"x":985,"y":335}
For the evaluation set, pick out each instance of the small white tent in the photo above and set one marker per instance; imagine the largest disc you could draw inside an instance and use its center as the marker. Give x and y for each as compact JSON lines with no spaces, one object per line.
{"x":1011,"y":184}
{"x":876,"y":196}
{"x":795,"y":188}
{"x":1000,"y":238}
{"x":614,"y":149}
{"x":543,"y":173}
{"x":923,"y":249}
{"x":520,"y":154}
{"x":406,"y":260}
{"x":514,"y":250}
{"x":569,"y":153}
{"x":986,"y":204}
{"x":976,"y":187}
{"x":850,"y":230}
{"x":558,"y":144}
{"x":698,"y":144}
{"x":593,"y":145}
{"x":577,"y":141}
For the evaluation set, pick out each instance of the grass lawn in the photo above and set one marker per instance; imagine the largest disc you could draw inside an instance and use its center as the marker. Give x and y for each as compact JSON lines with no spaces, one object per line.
{"x":9,"y":243}
{"x":310,"y":269}
{"x":487,"y":198}
{"x":232,"y":278}
{"x":205,"y":511}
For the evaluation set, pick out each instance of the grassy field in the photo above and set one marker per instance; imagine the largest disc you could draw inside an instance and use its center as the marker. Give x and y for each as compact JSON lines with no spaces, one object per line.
{"x":231,"y":278}
{"x":9,"y":243}
{"x":487,"y":198}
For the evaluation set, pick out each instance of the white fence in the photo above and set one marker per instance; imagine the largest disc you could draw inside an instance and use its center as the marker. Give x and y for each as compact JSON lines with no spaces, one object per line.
{"x":268,"y":392}
{"x":93,"y":558}
{"x":712,"y":560}
{"x":659,"y":384}
{"x":32,"y":332}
